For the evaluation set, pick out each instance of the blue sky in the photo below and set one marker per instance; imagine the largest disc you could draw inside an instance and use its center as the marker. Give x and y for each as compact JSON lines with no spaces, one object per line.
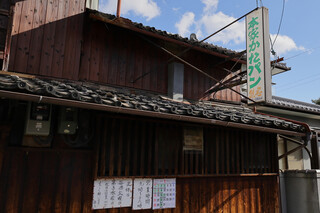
{"x":298,"y":41}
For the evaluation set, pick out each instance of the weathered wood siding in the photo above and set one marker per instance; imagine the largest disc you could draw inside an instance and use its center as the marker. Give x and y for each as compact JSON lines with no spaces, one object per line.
{"x":132,"y":147}
{"x":117,"y":56}
{"x":235,"y":173}
{"x":42,"y":182}
{"x":46,"y":181}
{"x":55,"y":39}
{"x":46,"y":37}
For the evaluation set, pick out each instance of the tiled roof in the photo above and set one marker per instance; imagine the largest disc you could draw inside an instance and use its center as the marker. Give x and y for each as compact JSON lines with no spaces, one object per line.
{"x":294,"y":104}
{"x":112,"y":97}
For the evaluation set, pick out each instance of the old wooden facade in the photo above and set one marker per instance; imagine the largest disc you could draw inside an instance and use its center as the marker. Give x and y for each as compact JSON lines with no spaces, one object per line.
{"x":62,"y":41}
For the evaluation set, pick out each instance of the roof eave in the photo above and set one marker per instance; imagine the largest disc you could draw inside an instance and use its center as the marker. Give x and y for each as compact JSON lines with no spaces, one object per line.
{"x":115,"y":109}
{"x":97,"y":16}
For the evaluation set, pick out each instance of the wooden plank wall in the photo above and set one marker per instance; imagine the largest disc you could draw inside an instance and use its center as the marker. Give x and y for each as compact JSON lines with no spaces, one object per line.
{"x":46,"y":181}
{"x":46,"y":38}
{"x":118,"y":56}
{"x":220,"y":194}
{"x":53,"y":39}
{"x":132,"y":147}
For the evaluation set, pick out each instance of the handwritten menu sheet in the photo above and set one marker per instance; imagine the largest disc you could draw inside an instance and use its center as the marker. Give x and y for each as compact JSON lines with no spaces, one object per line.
{"x":142,"y":193}
{"x":164,"y":193}
{"x":112,"y":193}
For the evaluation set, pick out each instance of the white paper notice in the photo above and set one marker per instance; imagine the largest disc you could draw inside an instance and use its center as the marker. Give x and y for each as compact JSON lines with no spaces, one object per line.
{"x":142,"y":193}
{"x":164,"y":193}
{"x":112,"y":193}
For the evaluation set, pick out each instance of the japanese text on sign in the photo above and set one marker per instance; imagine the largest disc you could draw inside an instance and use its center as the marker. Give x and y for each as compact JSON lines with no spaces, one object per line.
{"x":164,"y":193}
{"x":142,"y":193}
{"x":112,"y":193}
{"x":257,"y":52}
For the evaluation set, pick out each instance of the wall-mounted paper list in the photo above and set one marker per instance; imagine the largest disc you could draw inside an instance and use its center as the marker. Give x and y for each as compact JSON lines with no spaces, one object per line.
{"x":142,"y":193}
{"x":112,"y":193}
{"x":164,"y":193}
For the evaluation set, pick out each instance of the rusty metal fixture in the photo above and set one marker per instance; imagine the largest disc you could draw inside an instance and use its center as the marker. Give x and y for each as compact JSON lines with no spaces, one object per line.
{"x":118,"y":8}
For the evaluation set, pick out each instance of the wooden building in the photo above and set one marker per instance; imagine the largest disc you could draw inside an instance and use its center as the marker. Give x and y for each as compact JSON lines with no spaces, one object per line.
{"x":120,"y":78}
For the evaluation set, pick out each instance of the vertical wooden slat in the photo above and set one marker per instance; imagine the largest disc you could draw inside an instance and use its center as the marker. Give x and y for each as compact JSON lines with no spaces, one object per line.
{"x":142,"y":148}
{"x":87,"y":184}
{"x":150,"y":141}
{"x":228,"y":151}
{"x":49,"y":182}
{"x":237,"y":144}
{"x":102,"y":146}
{"x":234,"y":195}
{"x":95,"y":54}
{"x":156,"y":150}
{"x":48,"y":38}
{"x":84,"y":73}
{"x":122,"y":59}
{"x":32,"y":181}
{"x":223,"y":151}
{"x":217,"y":142}
{"x":36,"y":37}
{"x":253,"y":196}
{"x":15,"y":32}
{"x":17,"y":183}
{"x":76,"y":183}
{"x":242,"y":148}
{"x":60,"y":195}
{"x":246,"y":192}
{"x":60,"y":39}
{"x":120,"y":145}
{"x":23,"y":43}
{"x":135,"y":148}
{"x":253,"y":162}
{"x":128,"y":154}
{"x":247,"y":152}
{"x":112,"y":149}
{"x":177,"y":149}
{"x":138,"y":64}
{"x":226,"y":196}
{"x":72,"y":50}
{"x":186,"y":197}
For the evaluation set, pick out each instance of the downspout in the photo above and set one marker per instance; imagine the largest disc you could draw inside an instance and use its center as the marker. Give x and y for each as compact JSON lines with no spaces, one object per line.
{"x":308,"y":130}
{"x":307,"y":138}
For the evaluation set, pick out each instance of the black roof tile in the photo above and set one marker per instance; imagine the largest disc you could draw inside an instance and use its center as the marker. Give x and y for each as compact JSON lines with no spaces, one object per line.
{"x":157,"y":103}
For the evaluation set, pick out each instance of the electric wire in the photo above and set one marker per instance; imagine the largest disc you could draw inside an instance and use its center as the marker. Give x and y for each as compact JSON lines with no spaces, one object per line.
{"x":192,"y":66}
{"x":273,"y":52}
{"x":282,"y":13}
{"x":300,"y":84}
{"x":300,"y":80}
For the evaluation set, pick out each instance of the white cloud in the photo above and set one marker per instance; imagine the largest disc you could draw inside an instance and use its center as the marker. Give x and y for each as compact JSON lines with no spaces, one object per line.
{"x":186,"y":21}
{"x":145,"y":8}
{"x":284,"y":44}
{"x":213,"y":22}
{"x":210,"y":5}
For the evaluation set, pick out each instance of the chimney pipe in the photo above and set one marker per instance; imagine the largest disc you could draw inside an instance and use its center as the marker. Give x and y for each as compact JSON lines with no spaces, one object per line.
{"x":118,"y":8}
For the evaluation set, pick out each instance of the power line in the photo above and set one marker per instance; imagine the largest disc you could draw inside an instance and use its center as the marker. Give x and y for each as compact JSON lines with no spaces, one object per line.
{"x":301,"y":84}
{"x":298,"y":81}
{"x":283,"y":6}
{"x":306,"y":51}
